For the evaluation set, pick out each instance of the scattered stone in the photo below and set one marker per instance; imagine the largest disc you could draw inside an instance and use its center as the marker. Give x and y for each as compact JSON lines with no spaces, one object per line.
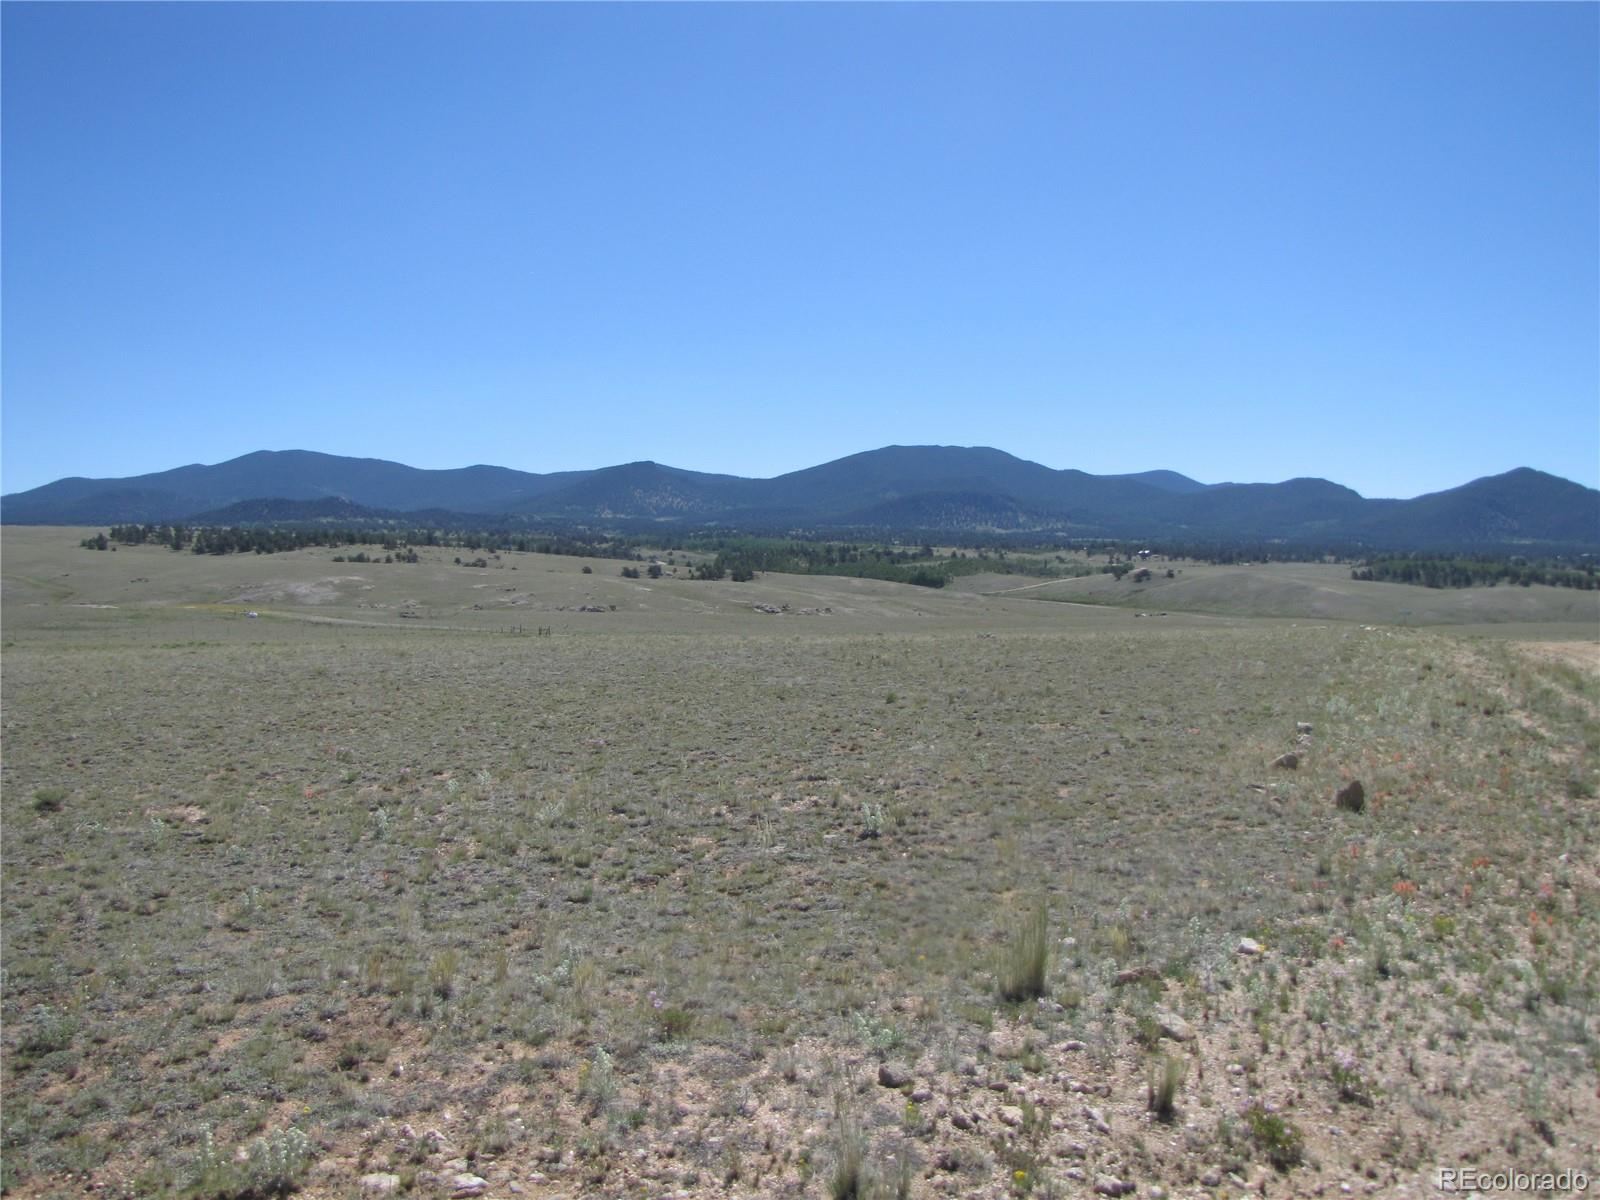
{"x":1008,"y":1043}
{"x":961,"y":1120}
{"x":466,"y":1184}
{"x":379,"y":1184}
{"x":922,"y":1095}
{"x":1248,"y":946}
{"x":1075,"y":1174}
{"x":1289,"y":761}
{"x":1175,"y":1027}
{"x":894,"y":1075}
{"x":1352,"y":797}
{"x":1110,"y":1185}
{"x":1212,"y":1178}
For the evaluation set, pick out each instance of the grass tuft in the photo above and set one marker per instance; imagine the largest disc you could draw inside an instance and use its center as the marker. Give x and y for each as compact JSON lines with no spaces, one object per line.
{"x":1026,"y":957}
{"x":1166,"y":1078}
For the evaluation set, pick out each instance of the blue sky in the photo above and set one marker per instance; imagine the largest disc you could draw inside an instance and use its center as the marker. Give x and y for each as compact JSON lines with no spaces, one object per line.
{"x":1239,"y":241}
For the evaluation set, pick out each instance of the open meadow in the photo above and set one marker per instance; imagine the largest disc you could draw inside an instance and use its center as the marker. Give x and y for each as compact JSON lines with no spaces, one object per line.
{"x":531,"y":880}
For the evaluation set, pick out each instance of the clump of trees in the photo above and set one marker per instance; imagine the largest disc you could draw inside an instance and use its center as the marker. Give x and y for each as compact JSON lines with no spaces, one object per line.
{"x":739,"y":559}
{"x":1477,"y":571}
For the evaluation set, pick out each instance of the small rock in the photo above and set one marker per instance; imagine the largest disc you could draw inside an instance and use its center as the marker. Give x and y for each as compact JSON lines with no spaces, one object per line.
{"x":466,"y":1184}
{"x":961,"y":1120}
{"x":1175,"y":1027}
{"x":1010,"y":1115}
{"x":1135,"y":975}
{"x":1352,"y":797}
{"x":1110,"y":1185}
{"x":922,"y":1095}
{"x":1072,"y":1046}
{"x":947,"y":1159}
{"x":1212,"y":1178}
{"x":1075,"y":1174}
{"x":379,"y":1184}
{"x":1302,"y":727}
{"x":1289,"y":761}
{"x":1007,"y":1043}
{"x":894,"y":1075}
{"x":1248,"y":946}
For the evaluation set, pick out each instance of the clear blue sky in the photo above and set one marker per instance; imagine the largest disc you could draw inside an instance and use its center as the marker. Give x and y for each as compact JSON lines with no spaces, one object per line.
{"x":1240,"y":241}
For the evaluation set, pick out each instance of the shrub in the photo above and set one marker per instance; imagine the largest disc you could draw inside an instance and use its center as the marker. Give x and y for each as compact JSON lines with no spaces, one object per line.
{"x":1027,"y":957}
{"x":1278,"y":1140}
{"x":274,"y":1165}
{"x":48,"y":800}
{"x":673,"y":1022}
{"x":597,"y":1081}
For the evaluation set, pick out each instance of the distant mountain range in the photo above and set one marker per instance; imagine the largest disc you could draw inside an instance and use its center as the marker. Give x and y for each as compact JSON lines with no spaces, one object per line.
{"x":916,"y":490}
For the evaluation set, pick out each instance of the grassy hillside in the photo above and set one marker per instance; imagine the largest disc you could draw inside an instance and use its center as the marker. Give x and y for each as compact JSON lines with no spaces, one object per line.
{"x":691,"y":898}
{"x":1313,"y":590}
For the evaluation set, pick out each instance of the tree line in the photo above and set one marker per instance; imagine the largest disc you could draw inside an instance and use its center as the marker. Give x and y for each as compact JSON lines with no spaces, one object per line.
{"x":1461,"y":572}
{"x":399,"y":543}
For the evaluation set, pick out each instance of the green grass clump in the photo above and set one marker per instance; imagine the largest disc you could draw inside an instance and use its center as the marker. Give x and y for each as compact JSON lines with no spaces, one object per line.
{"x":849,"y":1179}
{"x":1027,"y":957}
{"x":1166,"y":1078}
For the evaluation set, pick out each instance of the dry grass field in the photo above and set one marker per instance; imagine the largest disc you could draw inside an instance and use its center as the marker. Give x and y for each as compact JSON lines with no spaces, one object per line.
{"x":426,"y":882}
